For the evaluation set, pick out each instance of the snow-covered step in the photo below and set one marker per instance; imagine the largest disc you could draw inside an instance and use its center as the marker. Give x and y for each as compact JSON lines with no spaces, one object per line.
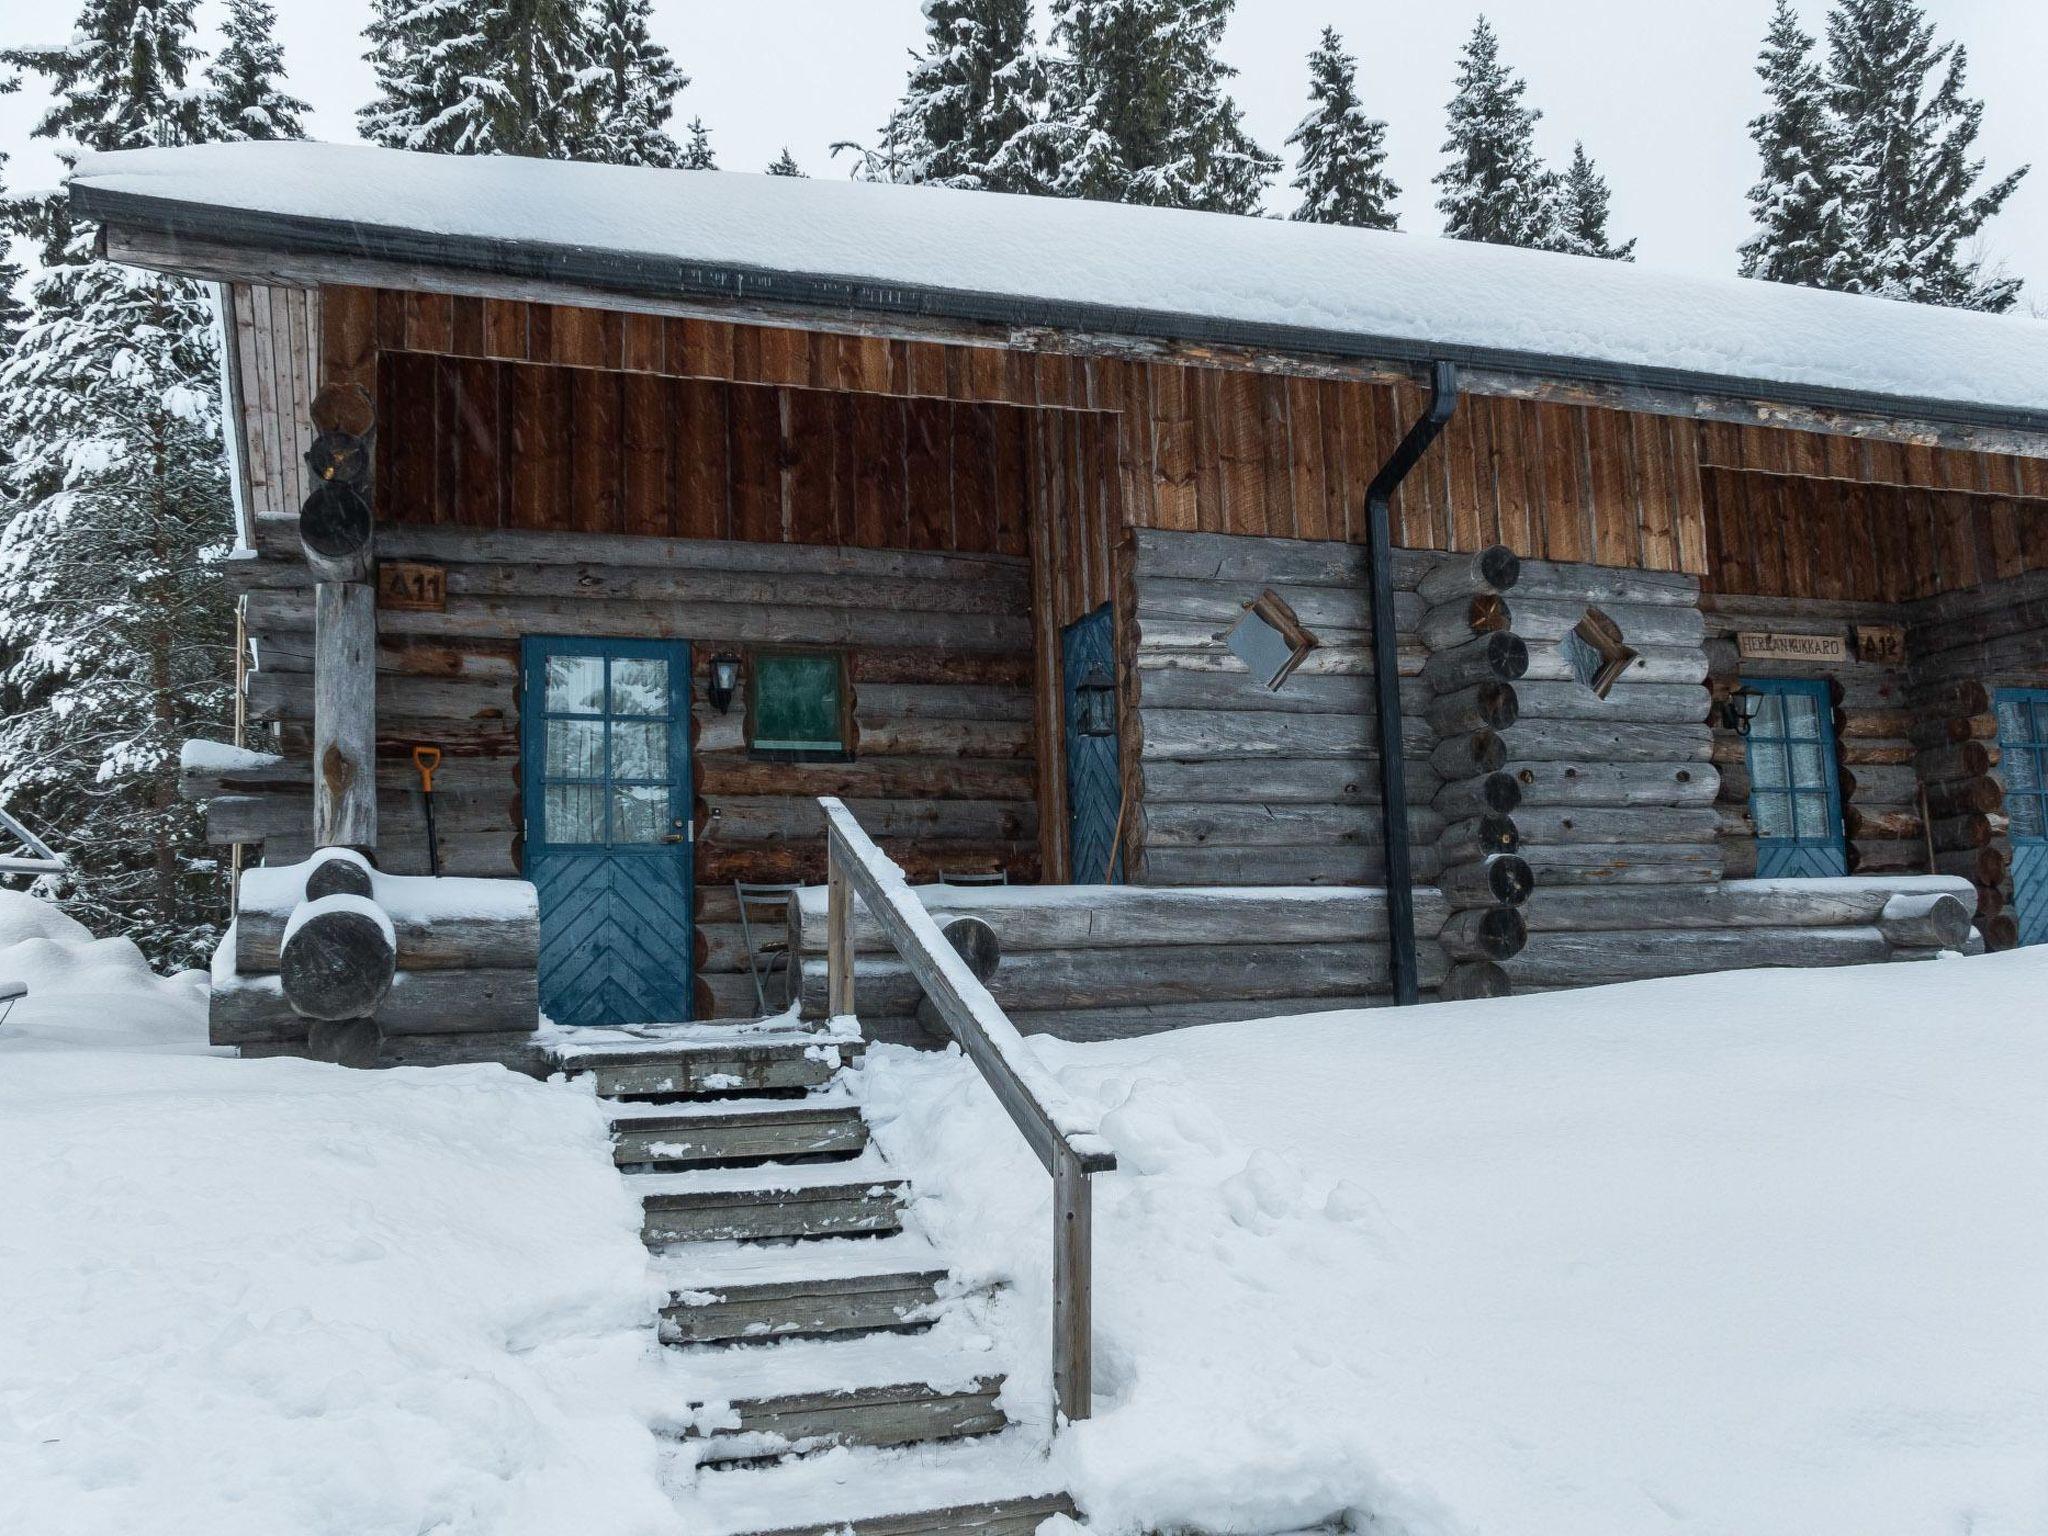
{"x":874,"y":1390}
{"x":995,"y":1486}
{"x":754,"y":1291}
{"x":717,"y":1060}
{"x":770,"y":1201}
{"x":724,"y":1131}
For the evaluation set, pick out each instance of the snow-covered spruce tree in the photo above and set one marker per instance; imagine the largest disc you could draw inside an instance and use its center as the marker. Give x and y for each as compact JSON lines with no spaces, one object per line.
{"x":637,"y":94}
{"x":115,"y":628}
{"x":1581,"y":212}
{"x":974,"y":97}
{"x":1495,"y":188}
{"x":245,"y":96}
{"x":784,"y":164}
{"x":482,"y":77}
{"x":1139,"y":109}
{"x":1342,"y":172}
{"x":1798,"y":201}
{"x":1915,"y":184}
{"x":696,"y":154}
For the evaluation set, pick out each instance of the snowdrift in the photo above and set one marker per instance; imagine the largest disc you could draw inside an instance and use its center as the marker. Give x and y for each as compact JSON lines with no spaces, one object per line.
{"x":1749,"y":1253}
{"x":272,"y":1298}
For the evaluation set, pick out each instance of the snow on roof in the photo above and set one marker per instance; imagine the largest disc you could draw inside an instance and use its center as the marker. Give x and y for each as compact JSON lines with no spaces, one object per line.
{"x":1103,"y":266}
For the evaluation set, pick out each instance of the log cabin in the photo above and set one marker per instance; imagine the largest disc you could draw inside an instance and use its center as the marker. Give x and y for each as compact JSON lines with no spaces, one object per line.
{"x":1240,"y":617}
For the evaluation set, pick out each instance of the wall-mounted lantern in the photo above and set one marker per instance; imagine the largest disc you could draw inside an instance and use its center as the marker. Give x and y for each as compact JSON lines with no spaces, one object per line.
{"x":725,"y":681}
{"x":1096,"y":695}
{"x":1740,"y":707}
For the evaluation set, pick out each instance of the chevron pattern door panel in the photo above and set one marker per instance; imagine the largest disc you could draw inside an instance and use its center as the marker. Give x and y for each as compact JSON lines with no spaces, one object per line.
{"x":605,"y":745}
{"x":2022,"y":762}
{"x":1795,"y":795}
{"x":1094,"y":784}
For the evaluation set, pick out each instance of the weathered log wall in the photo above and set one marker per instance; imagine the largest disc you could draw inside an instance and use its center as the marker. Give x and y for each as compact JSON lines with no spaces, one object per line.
{"x":939,"y":663}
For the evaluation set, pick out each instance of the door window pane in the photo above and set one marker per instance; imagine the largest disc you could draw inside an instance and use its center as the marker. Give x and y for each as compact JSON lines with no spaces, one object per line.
{"x":1802,"y":716}
{"x":1814,"y":821}
{"x":1767,"y":764}
{"x":2020,"y":769}
{"x":1770,"y":717}
{"x":2040,"y":723}
{"x":2025,"y":811}
{"x":640,"y":686}
{"x":639,"y":750}
{"x":575,"y":685}
{"x":1807,"y":768}
{"x":639,"y":813}
{"x":574,"y":813}
{"x":2012,"y":721}
{"x":575,"y":749}
{"x":1772,"y":814}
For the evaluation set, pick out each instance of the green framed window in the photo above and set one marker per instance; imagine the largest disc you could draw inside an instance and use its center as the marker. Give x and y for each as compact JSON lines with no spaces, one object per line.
{"x":798,"y":705}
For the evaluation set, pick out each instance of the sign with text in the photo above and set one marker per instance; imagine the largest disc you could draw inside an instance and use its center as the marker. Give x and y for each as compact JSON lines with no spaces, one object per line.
{"x":1882,"y":645}
{"x":415,"y":588}
{"x":1776,"y":645}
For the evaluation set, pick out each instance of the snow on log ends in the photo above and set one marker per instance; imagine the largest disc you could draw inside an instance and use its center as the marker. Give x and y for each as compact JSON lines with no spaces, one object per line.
{"x":1139,"y":263}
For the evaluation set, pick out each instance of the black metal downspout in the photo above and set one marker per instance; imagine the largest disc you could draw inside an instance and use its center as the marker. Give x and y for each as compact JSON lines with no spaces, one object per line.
{"x":1443,"y":400}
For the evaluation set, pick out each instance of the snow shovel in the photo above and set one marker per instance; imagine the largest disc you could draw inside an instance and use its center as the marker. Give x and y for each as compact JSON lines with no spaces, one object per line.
{"x":427,"y":759}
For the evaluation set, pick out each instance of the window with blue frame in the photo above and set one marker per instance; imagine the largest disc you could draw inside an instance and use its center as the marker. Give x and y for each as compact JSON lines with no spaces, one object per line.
{"x":1795,"y":795}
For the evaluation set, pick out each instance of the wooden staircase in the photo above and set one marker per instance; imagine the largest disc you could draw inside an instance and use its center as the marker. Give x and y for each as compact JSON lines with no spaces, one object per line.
{"x":834,"y":1374}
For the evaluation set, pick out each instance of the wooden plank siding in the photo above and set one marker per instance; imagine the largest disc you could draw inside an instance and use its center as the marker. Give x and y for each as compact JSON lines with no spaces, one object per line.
{"x":1815,"y":455}
{"x":1193,"y":448}
{"x":1772,"y":535}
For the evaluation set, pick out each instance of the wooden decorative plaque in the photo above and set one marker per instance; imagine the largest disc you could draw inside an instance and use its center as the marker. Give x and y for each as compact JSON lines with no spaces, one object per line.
{"x":1882,"y":645}
{"x":412,"y":587}
{"x":1776,"y":645}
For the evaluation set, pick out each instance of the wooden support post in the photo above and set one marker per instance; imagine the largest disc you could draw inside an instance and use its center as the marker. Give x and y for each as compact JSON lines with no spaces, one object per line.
{"x":345,"y":716}
{"x":1073,"y":1322}
{"x":838,"y":939}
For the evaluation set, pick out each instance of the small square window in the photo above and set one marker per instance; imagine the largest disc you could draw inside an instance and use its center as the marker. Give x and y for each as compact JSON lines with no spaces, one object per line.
{"x":797,"y":704}
{"x":1270,"y":640}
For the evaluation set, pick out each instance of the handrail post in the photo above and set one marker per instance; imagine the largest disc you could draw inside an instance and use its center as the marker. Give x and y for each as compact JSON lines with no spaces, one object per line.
{"x":1073,"y":1321}
{"x":838,"y":935}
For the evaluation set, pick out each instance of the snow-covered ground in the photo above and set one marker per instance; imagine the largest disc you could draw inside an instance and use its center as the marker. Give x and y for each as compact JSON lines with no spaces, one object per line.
{"x":271,"y":1298}
{"x":1732,"y":1255}
{"x":1745,"y":1254}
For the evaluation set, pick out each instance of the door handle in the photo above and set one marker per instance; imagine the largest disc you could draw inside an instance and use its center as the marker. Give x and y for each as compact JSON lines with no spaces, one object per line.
{"x":677,"y":837}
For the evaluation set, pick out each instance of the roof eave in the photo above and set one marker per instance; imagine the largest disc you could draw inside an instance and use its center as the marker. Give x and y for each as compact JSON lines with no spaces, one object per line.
{"x":634,"y":274}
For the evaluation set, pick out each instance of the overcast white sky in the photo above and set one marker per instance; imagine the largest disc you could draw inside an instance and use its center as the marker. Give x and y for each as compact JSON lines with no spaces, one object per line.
{"x":1659,"y":90}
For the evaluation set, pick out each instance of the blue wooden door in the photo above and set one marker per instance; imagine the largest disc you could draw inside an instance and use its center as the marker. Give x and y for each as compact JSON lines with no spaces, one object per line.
{"x":2023,"y":765}
{"x":605,"y":740}
{"x":1795,"y":794}
{"x":1094,"y":785}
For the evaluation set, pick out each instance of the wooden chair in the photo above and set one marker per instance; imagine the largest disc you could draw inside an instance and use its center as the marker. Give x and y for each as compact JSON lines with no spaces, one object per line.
{"x":974,"y":877}
{"x":762,"y":958}
{"x":11,"y":992}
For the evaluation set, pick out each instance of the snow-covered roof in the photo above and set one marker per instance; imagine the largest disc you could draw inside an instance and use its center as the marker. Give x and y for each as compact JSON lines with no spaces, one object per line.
{"x":1144,"y":272}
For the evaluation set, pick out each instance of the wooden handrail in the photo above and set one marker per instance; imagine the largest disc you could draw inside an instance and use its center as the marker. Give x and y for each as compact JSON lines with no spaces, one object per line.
{"x":1059,"y":1131}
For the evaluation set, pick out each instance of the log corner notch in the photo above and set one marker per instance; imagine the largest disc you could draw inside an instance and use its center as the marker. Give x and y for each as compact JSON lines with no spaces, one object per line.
{"x":337,"y":536}
{"x":1484,"y":878}
{"x":1379,"y":496}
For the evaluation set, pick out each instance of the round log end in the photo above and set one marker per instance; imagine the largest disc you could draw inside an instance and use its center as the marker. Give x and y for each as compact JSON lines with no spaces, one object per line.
{"x":1503,"y":932}
{"x":1501,"y":566}
{"x":974,"y":941}
{"x":1499,"y":834}
{"x":1507,"y":655}
{"x":1475,"y":978}
{"x":1509,"y":878}
{"x":1489,"y":751}
{"x":339,"y":959}
{"x":339,"y":872}
{"x":1501,"y":792}
{"x":1499,"y":705}
{"x":340,"y":456}
{"x":344,"y":408}
{"x":1488,"y":613}
{"x":335,"y":522}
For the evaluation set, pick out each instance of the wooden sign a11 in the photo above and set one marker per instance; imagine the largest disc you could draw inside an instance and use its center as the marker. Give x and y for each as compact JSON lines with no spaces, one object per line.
{"x":1882,"y":645}
{"x":412,"y":587}
{"x":1776,"y":645}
